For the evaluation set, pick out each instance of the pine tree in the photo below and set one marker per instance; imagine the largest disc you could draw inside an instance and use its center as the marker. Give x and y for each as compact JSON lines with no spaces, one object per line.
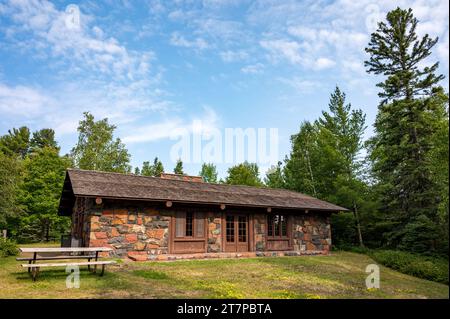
{"x":405,"y":124}
{"x":179,"y":167}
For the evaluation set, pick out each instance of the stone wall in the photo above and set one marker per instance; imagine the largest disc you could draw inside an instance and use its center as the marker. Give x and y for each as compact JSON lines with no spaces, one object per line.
{"x":260,"y":231}
{"x":139,"y":234}
{"x":214,"y":232}
{"x":311,"y":232}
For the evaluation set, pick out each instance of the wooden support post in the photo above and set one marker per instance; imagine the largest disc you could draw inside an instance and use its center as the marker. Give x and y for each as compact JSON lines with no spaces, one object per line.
{"x":5,"y":232}
{"x":103,"y":270}
{"x":35,"y":272}
{"x":96,"y":259}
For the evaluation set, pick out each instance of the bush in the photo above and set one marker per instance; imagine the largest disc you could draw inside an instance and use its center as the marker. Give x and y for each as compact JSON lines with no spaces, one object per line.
{"x":8,"y":247}
{"x":426,"y":267}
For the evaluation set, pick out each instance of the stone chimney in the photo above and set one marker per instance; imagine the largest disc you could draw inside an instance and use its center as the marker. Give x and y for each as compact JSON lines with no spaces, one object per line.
{"x":179,"y":177}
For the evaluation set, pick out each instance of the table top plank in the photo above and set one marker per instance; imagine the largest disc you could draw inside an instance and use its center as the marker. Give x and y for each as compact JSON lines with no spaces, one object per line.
{"x":63,"y":249}
{"x":107,"y":262}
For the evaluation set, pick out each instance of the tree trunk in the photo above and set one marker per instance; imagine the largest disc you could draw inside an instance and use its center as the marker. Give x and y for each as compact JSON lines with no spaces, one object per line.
{"x":358,"y":225}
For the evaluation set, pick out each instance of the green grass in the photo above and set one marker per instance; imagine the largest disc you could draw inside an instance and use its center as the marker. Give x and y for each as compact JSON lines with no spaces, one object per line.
{"x":339,"y":275}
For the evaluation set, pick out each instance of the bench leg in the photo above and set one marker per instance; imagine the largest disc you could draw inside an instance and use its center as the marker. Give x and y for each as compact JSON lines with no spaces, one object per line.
{"x":35,"y":272}
{"x":89,"y":266}
{"x":103,"y":270}
{"x":29,"y":263}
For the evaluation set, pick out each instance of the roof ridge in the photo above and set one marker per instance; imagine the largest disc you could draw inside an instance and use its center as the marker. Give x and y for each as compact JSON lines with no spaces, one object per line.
{"x":187,"y":181}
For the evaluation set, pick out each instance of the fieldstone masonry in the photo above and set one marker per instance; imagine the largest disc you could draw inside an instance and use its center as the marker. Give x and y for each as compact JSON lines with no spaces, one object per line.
{"x":142,"y":233}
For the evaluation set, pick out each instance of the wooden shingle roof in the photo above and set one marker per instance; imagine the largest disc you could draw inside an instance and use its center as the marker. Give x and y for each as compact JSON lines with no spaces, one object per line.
{"x":133,"y":187}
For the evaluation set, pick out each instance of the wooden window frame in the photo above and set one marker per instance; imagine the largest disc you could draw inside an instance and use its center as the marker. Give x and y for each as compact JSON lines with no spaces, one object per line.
{"x":279,"y":235}
{"x":195,"y":217}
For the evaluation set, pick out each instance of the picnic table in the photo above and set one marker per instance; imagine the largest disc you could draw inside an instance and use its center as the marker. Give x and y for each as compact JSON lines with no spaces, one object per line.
{"x":55,"y":253}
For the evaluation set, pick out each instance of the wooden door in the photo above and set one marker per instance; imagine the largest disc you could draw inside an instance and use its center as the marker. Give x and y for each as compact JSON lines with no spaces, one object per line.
{"x":236,"y":233}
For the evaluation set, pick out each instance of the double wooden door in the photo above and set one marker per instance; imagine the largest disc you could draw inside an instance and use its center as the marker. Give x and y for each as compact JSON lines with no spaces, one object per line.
{"x":236,"y":233}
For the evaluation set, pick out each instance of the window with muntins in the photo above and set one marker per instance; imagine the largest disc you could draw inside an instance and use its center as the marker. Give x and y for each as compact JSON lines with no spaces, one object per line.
{"x":277,"y":226}
{"x":190,"y":225}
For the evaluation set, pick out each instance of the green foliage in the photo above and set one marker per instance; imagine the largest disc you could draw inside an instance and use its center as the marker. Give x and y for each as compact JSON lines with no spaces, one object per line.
{"x":274,"y":176}
{"x":404,"y":149}
{"x":178,"y":169}
{"x":43,"y":138}
{"x":426,"y":267}
{"x":396,"y":52}
{"x":16,"y":142}
{"x":156,"y":169}
{"x":10,"y":180}
{"x":97,"y":150}
{"x":209,"y":173}
{"x":244,"y":174}
{"x":8,"y":247}
{"x":41,"y":189}
{"x":343,"y":229}
{"x":324,"y":162}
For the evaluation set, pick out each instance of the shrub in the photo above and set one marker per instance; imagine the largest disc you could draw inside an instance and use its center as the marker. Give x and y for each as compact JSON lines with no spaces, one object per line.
{"x":426,"y":267}
{"x":8,"y":247}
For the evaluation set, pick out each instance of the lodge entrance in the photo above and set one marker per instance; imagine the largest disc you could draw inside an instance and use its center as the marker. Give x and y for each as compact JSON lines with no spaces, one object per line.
{"x":236,"y":233}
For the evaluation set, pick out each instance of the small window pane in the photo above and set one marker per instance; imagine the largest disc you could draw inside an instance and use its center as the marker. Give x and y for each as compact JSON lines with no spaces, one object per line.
{"x":199,"y":225}
{"x":269,"y":225}
{"x":189,"y":220}
{"x":276,"y":224}
{"x":242,"y":223}
{"x":230,"y":229}
{"x":283,"y":225}
{"x":179,"y":228}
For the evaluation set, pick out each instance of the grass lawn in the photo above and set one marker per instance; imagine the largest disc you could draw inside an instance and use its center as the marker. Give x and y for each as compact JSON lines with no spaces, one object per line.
{"x":339,"y":275}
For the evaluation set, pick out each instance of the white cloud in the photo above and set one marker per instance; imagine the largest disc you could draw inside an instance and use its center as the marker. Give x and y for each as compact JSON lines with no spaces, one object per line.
{"x":179,"y":40}
{"x":174,"y":127}
{"x":253,"y":68}
{"x":234,"y":56}
{"x":323,"y":63}
{"x":22,"y":100}
{"x":283,"y":49}
{"x":301,"y":85}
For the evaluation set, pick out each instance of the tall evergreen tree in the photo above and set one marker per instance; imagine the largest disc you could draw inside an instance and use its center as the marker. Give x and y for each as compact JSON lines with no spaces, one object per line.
{"x":405,"y":125}
{"x":324,"y":162}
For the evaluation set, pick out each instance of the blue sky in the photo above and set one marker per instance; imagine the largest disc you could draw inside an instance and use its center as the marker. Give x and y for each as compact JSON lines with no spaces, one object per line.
{"x":155,"y":67}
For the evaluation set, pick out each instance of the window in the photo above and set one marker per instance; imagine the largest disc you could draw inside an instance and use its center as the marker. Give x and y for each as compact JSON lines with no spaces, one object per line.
{"x":242,"y":228}
{"x":190,"y":224}
{"x":277,"y":226}
{"x":230,"y":229}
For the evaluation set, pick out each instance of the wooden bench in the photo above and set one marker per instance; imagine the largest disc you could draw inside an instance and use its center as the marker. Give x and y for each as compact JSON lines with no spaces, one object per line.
{"x":60,"y":254}
{"x":35,"y":267}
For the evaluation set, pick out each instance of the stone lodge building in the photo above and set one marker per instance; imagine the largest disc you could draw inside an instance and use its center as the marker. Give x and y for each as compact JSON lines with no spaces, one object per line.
{"x":177,"y":216}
